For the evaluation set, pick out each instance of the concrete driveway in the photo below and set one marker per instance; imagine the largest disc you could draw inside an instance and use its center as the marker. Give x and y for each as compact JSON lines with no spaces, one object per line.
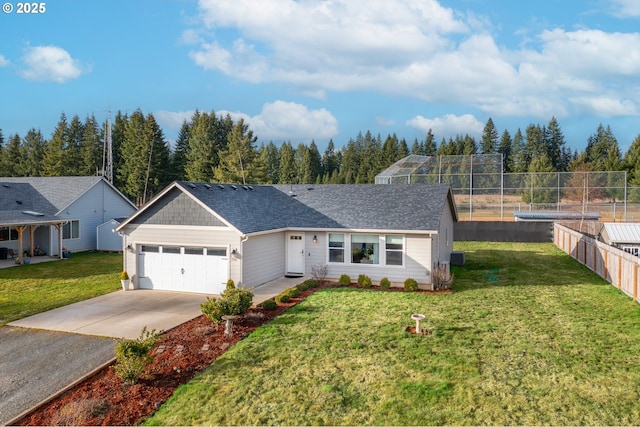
{"x":120,"y":314}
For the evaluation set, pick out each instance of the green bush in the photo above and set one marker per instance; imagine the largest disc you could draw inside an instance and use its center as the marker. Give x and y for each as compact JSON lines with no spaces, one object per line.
{"x":385,"y":283}
{"x":233,"y":301}
{"x":302,"y":286}
{"x":269,"y":305}
{"x":132,"y":356}
{"x":364,"y":281}
{"x":312,"y":283}
{"x":283,"y":298}
{"x":345,"y":280}
{"x":410,"y":285}
{"x":293,"y":292}
{"x":231,"y":284}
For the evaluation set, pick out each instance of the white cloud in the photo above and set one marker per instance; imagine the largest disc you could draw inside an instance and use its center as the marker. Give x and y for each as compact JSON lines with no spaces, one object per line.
{"x":278,"y":121}
{"x":3,"y":61}
{"x":50,"y":63}
{"x":449,"y":125}
{"x":417,"y":48}
{"x":626,"y":8}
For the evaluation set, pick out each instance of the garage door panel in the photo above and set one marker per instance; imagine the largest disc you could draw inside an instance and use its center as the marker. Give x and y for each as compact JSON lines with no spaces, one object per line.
{"x":186,"y":269}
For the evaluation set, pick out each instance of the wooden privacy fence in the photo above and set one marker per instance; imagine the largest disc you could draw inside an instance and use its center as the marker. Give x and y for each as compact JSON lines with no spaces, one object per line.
{"x":612,"y":264}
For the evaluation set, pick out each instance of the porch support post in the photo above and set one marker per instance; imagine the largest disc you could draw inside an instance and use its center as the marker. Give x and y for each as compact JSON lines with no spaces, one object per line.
{"x":20,"y":229}
{"x":58,"y":227}
{"x":32,"y":230}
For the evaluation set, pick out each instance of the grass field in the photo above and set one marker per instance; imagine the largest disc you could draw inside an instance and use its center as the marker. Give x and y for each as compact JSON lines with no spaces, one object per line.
{"x":530,"y":337}
{"x":29,"y":289}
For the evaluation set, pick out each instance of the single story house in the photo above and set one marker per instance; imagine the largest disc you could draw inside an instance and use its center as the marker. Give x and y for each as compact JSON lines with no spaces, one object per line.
{"x":42,"y":215}
{"x":193,"y":237}
{"x":622,"y":235}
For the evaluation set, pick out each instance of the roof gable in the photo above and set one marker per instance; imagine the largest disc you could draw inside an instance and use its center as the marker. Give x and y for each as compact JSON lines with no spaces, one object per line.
{"x":626,"y":232}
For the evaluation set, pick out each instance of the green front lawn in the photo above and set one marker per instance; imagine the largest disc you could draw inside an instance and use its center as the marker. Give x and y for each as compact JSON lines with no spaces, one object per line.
{"x":529,"y":337}
{"x":30,"y":289}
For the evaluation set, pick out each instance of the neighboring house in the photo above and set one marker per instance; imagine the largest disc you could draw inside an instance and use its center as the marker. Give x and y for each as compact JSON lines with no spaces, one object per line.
{"x":194,"y":236}
{"x":50,"y":213}
{"x":622,"y":235}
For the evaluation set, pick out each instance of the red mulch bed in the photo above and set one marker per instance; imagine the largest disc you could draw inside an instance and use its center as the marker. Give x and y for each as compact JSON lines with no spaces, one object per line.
{"x":179,"y":355}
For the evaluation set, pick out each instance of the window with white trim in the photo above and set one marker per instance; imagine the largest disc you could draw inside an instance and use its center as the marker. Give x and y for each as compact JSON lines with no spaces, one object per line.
{"x":7,"y":233}
{"x":365,"y":249}
{"x":336,"y":247}
{"x":71,"y":230}
{"x":394,"y":249}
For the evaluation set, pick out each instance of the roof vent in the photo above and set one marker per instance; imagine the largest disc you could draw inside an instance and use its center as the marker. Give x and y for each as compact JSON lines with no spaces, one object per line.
{"x":310,"y":188}
{"x":234,"y":187}
{"x":5,"y":185}
{"x":19,"y":202}
{"x":207,"y":186}
{"x":33,"y":213}
{"x":250,"y":187}
{"x":245,"y":188}
{"x":192,"y":185}
{"x":220,"y":186}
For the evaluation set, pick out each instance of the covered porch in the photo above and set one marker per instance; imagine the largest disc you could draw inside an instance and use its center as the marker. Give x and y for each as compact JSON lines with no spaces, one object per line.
{"x":13,"y":236}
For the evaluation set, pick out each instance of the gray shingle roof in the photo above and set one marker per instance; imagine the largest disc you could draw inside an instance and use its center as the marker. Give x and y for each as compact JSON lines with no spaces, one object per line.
{"x":60,"y":191}
{"x":359,"y":206}
{"x":16,"y":198}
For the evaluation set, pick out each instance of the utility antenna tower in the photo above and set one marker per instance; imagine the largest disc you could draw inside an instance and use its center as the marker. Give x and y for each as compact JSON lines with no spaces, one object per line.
{"x":107,"y":152}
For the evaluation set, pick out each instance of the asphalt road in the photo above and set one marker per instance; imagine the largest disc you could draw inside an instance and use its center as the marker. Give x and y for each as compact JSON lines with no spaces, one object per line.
{"x":34,"y":364}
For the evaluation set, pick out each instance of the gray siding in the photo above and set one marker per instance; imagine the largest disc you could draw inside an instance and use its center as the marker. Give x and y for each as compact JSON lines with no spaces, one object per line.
{"x":177,"y":208}
{"x":263,"y":258}
{"x":98,"y":205}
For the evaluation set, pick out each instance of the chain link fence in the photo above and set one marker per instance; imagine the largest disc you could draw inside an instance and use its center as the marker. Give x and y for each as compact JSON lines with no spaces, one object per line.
{"x":483,"y":192}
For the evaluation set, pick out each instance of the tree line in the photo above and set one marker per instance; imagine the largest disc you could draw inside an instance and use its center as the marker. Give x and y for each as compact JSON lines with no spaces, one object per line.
{"x":216,"y":148}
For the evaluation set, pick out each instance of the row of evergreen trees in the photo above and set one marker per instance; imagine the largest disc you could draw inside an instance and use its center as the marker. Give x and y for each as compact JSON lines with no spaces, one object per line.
{"x":215,"y":148}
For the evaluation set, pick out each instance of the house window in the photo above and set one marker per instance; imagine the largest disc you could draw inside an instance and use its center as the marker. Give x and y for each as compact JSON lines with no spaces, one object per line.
{"x":394,"y":248}
{"x":71,"y":230}
{"x":336,"y":247}
{"x":365,"y":249}
{"x":8,"y":234}
{"x":633,"y":250}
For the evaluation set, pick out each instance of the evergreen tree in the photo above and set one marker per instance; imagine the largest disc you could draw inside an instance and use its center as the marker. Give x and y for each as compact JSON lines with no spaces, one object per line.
{"x":91,"y":148}
{"x":135,"y":153}
{"x":204,"y":145}
{"x":330,"y":163}
{"x":12,"y":160}
{"x":430,"y":148}
{"x":600,"y":147}
{"x":519,"y":153}
{"x":53,"y":163}
{"x":390,"y":150}
{"x":554,"y":141}
{"x":179,"y":156}
{"x":270,"y":157}
{"x":632,"y":165}
{"x":158,"y":174}
{"x":117,"y":137}
{"x":73,"y":158}
{"x":403,"y":149}
{"x":470,"y":147}
{"x":3,"y":171}
{"x":541,"y":186}
{"x":33,"y":147}
{"x":489,"y":140}
{"x":288,"y":172}
{"x":505,"y":148}
{"x":239,"y":161}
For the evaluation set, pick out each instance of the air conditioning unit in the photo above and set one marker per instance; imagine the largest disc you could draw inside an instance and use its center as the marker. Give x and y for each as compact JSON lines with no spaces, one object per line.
{"x":457,"y":258}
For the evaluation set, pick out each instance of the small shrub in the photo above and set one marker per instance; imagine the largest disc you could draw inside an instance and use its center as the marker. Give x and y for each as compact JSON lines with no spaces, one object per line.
{"x":319,"y":272}
{"x":79,"y":412}
{"x":132,"y":356}
{"x":293,"y":292}
{"x":385,"y":283}
{"x":233,"y":301}
{"x":231,"y":284}
{"x":364,"y":281}
{"x":410,"y":285}
{"x":345,"y":280}
{"x":124,"y":276}
{"x":312,"y":283}
{"x":283,"y":298}
{"x":269,"y":305}
{"x":442,"y":278}
{"x":302,"y":286}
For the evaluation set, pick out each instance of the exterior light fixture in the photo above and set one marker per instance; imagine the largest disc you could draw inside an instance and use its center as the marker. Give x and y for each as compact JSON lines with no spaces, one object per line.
{"x":315,"y":238}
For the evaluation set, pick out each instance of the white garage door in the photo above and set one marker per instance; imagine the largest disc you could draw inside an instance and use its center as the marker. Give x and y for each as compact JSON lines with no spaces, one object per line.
{"x":186,"y":269}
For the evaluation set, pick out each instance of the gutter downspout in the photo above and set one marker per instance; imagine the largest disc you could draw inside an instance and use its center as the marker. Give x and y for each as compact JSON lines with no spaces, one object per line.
{"x":243,"y":238}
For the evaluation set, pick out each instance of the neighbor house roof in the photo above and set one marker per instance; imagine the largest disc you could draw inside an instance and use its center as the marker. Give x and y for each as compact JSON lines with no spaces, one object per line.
{"x":61,"y":191}
{"x":623,"y":232}
{"x":21,"y":203}
{"x":253,"y":209}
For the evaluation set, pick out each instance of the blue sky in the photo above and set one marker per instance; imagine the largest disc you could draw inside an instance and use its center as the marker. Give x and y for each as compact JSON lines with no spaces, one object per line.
{"x":312,"y":69}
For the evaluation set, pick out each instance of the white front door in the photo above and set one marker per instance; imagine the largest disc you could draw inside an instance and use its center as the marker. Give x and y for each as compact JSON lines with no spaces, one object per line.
{"x":295,"y":253}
